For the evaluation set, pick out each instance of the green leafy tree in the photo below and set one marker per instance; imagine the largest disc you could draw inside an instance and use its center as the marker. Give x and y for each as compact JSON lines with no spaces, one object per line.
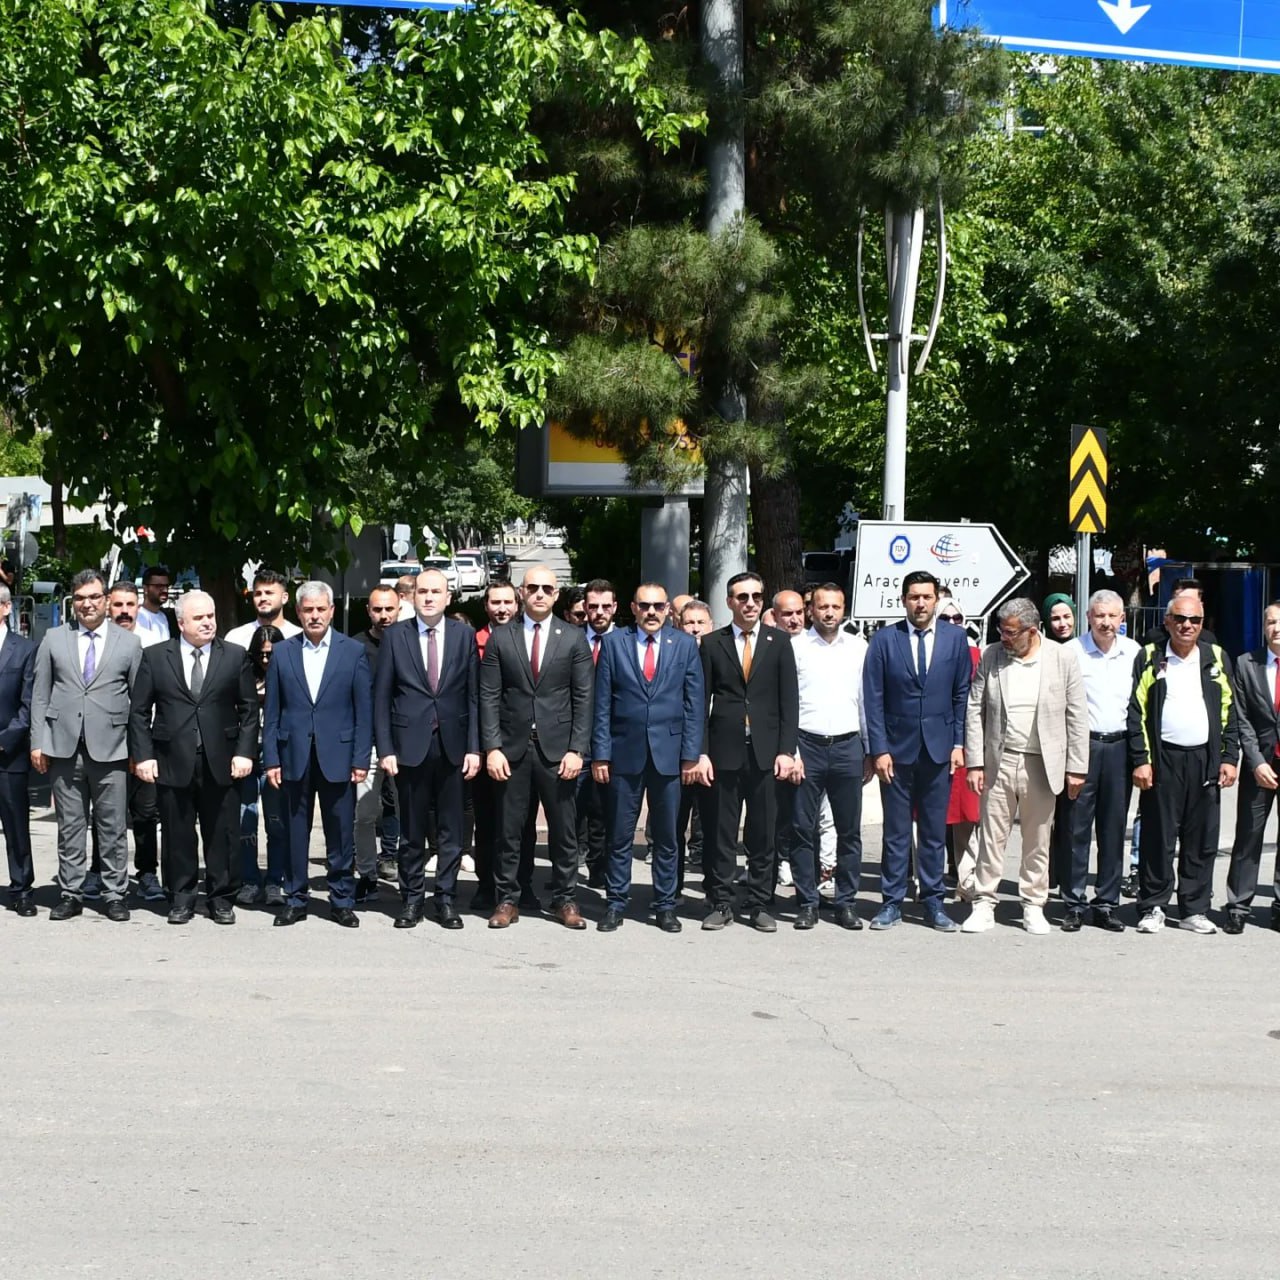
{"x":232,"y":254}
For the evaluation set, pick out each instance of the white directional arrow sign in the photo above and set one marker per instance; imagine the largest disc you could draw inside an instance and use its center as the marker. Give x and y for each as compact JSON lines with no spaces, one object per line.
{"x":1124,"y":13}
{"x":973,"y":560}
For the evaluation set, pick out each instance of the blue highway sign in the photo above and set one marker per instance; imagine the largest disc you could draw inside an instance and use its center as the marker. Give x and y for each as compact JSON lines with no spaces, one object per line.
{"x":1240,"y":35}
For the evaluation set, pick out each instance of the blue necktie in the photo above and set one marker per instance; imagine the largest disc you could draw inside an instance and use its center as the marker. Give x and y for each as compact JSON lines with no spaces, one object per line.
{"x":921,"y":669}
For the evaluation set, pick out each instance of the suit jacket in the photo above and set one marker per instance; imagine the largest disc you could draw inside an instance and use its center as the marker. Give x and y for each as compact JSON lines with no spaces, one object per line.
{"x":339,"y":722}
{"x":1255,"y":711}
{"x":164,"y":717}
{"x":904,"y":718}
{"x":17,"y":673}
{"x":636,"y":719}
{"x":771,"y":698}
{"x":63,"y":706}
{"x":558,"y":702}
{"x":406,"y":712}
{"x":1062,"y":713}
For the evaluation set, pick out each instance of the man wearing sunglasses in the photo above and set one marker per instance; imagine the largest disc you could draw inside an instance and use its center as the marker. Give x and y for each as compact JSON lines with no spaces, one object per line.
{"x":647,"y":733}
{"x":1184,"y":743}
{"x":752,"y":719}
{"x":535,"y":729}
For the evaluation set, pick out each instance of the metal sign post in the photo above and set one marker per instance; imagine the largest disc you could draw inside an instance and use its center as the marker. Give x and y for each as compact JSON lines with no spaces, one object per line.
{"x":1087,"y":504}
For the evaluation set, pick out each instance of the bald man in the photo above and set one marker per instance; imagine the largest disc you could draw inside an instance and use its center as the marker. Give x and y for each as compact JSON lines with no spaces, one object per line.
{"x":193,"y":731}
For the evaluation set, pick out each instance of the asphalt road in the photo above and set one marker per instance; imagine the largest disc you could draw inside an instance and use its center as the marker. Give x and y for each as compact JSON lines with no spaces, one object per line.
{"x":206,"y":1101}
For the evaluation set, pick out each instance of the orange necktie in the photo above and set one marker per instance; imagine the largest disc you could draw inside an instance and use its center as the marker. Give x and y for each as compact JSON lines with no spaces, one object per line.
{"x":746,"y":656}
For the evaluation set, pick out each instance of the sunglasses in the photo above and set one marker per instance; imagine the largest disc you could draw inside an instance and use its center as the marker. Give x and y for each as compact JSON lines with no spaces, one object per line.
{"x":1187,"y":619}
{"x":652,"y":606}
{"x":743,"y":596}
{"x":535,"y":588}
{"x":953,"y":617}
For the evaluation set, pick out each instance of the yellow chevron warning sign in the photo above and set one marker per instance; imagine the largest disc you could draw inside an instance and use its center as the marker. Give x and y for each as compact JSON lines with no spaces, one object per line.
{"x":1087,"y":504}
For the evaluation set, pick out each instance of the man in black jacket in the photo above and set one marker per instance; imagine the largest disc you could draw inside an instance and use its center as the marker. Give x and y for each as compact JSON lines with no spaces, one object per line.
{"x":535,"y":729}
{"x":1183,"y":748}
{"x":753,"y":717}
{"x":17,"y":669}
{"x":193,"y":730}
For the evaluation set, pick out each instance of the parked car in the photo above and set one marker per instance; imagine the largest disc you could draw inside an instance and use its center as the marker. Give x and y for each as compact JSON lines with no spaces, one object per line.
{"x":446,"y":566}
{"x":391,"y":571}
{"x":826,"y":566}
{"x":552,"y":541}
{"x":471,"y":569}
{"x":499,"y":564}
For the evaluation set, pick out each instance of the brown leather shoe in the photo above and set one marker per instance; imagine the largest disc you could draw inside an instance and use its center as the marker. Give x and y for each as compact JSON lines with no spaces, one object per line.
{"x":569,"y":915}
{"x":506,"y":914}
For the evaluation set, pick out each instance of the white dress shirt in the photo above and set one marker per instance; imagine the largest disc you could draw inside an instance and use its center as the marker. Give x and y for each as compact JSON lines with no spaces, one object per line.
{"x":1272,"y":661}
{"x":830,"y":683}
{"x":1184,"y":718}
{"x":754,"y":633}
{"x":189,"y":659}
{"x":930,"y":632}
{"x":82,"y":644}
{"x":1108,"y":680}
{"x":423,"y":628}
{"x":242,"y":634}
{"x":528,"y":637}
{"x":157,"y":622}
{"x":4,"y":632}
{"x":642,"y":643}
{"x":314,"y":656}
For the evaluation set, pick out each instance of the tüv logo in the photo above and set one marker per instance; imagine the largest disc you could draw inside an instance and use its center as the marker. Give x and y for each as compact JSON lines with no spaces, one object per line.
{"x":947,"y":549}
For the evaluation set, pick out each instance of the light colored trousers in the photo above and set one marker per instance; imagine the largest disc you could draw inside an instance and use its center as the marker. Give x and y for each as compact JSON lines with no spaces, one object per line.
{"x":1019,"y":787}
{"x":85,"y":790}
{"x":368,"y":811}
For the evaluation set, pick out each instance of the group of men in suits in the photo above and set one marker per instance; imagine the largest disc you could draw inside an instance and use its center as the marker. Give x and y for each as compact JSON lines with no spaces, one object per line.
{"x":717,"y":719}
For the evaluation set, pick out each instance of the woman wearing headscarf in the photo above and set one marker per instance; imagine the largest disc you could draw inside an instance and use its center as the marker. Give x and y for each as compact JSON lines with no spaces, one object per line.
{"x":1059,"y":615}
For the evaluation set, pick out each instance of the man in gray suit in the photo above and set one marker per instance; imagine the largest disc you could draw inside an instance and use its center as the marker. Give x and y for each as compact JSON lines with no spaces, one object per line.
{"x":79,"y":729}
{"x":1258,"y":708}
{"x":1026,"y":738}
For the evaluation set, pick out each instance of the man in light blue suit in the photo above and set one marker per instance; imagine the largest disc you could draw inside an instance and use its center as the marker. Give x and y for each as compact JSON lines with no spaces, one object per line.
{"x":647,"y":734}
{"x":915,"y":686}
{"x":317,"y":738}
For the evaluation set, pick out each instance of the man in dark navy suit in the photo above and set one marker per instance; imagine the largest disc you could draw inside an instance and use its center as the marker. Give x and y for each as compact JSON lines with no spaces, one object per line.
{"x":649,"y":706}
{"x":17,"y":670}
{"x":317,"y":737}
{"x":427,"y":732}
{"x":915,"y":685}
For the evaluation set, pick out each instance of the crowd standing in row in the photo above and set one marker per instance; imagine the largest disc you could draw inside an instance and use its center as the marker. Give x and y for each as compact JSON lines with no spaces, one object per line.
{"x":420,"y":722}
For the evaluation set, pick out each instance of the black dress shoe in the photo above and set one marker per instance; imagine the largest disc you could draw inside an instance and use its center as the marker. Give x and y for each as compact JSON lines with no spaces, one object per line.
{"x":596,"y":878}
{"x":222,"y":915}
{"x":345,"y":917}
{"x":1234,"y":923}
{"x":806,"y":917}
{"x":290,"y":915}
{"x":410,"y":916}
{"x":67,"y":908}
{"x":668,"y":921}
{"x":529,"y":901}
{"x":611,"y":921}
{"x":22,"y":905}
{"x":1106,"y":918}
{"x":118,"y":910}
{"x":848,"y":918}
{"x":1072,"y":920}
{"x":484,"y":903}
{"x":180,"y":915}
{"x":447,"y":916}
{"x":1129,"y":887}
{"x":366,"y":890}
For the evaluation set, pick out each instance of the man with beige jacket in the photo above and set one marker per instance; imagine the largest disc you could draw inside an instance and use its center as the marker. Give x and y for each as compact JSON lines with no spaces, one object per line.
{"x":1026,"y":738}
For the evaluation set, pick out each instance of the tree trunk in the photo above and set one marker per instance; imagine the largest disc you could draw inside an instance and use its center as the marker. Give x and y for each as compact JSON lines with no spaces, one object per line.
{"x":226,"y":597}
{"x":775,"y":516}
{"x":59,"y":515}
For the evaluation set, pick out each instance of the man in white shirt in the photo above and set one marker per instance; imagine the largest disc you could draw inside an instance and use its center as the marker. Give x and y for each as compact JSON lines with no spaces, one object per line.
{"x":155,"y":595}
{"x":832,"y":754}
{"x":1183,"y":746}
{"x":1106,"y":666}
{"x":270,"y":595}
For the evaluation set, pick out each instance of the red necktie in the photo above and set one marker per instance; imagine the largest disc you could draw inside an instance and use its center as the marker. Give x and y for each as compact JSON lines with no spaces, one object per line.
{"x":650,"y":660}
{"x":535,"y":657}
{"x":1277,"y":702}
{"x":595,"y":649}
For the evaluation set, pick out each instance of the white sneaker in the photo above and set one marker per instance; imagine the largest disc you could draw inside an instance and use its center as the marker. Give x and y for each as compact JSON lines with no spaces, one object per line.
{"x":468,"y":864}
{"x":1199,"y":924}
{"x":1152,"y":922}
{"x":1033,"y":920}
{"x":981,"y":920}
{"x":784,"y":875}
